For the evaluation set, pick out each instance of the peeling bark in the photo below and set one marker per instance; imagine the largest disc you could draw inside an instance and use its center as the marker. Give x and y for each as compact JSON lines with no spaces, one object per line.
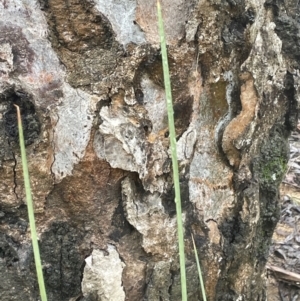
{"x":88,"y":77}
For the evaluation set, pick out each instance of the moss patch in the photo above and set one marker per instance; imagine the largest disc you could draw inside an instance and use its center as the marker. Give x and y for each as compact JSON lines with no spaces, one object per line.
{"x":273,"y":170}
{"x":272,"y":165}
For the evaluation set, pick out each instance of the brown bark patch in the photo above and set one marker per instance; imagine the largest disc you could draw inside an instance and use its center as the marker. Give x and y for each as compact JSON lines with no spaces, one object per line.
{"x":237,"y":127}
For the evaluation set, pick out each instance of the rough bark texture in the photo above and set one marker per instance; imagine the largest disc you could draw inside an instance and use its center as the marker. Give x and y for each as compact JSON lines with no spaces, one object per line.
{"x":88,"y":77}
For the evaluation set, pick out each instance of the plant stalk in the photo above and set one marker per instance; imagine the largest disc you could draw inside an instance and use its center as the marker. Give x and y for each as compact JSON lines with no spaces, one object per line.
{"x":202,"y":287}
{"x":36,"y":250}
{"x":173,"y":151}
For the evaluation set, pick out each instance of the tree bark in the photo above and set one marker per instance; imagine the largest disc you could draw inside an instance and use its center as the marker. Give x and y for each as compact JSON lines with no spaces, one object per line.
{"x":88,"y":78}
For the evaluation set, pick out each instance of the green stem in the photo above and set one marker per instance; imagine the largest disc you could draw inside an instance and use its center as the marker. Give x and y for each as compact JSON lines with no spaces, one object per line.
{"x":199,"y":271}
{"x":173,"y":151}
{"x":34,"y":239}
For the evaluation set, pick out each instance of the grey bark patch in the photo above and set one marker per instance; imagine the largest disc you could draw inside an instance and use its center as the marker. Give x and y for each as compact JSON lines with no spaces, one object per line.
{"x":6,"y":58}
{"x":23,"y":55}
{"x":154,"y":101}
{"x":286,"y":18}
{"x":234,"y":35}
{"x":121,"y":15}
{"x":16,"y":218}
{"x":124,"y":142}
{"x":14,"y":273}
{"x":72,"y":131}
{"x":159,"y":282}
{"x":145,"y":212}
{"x":8,"y":251}
{"x":102,"y":275}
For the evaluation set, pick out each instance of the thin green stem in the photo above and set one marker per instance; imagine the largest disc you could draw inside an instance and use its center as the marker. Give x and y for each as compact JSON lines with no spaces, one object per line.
{"x":199,"y":271}
{"x":173,"y":151}
{"x":34,"y":239}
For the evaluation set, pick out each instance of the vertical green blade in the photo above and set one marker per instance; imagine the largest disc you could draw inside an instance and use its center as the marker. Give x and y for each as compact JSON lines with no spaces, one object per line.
{"x":36,"y":251}
{"x":173,"y":151}
{"x":199,"y":271}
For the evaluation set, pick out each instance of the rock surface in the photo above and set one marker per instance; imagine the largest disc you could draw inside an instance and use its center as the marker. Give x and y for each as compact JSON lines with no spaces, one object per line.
{"x":88,"y":77}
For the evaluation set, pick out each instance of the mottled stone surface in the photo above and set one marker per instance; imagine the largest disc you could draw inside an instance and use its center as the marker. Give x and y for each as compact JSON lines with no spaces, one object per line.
{"x":88,"y":77}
